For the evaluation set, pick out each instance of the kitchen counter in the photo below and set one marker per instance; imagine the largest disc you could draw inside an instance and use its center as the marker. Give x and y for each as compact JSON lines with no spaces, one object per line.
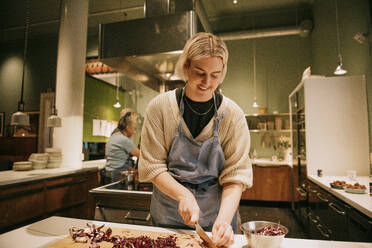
{"x":268,"y":162}
{"x":48,"y":231}
{"x":362,"y":202}
{"x":11,"y":177}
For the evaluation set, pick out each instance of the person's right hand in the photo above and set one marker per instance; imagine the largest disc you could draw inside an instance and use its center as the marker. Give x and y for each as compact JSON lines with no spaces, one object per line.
{"x":189,"y":209}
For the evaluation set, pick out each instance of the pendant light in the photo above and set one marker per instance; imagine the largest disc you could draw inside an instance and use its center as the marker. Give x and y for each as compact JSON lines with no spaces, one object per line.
{"x":255,"y":104}
{"x":339,"y":70}
{"x":54,"y":120}
{"x":117,"y":104}
{"x":20,"y":118}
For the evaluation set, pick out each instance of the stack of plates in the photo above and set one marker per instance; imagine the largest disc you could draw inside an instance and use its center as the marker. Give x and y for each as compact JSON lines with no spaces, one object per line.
{"x":22,"y":166}
{"x":39,"y":160}
{"x":55,"y":157}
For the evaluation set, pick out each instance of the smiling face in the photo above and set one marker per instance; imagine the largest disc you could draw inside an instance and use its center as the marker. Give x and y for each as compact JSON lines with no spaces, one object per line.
{"x":204,"y":76}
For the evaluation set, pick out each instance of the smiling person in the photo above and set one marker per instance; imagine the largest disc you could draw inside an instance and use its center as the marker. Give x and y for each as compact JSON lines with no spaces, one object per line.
{"x":194,"y":146}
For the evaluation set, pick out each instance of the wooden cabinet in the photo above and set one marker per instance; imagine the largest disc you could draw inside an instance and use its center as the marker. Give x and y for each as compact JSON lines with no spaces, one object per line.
{"x":64,"y":196}
{"x":20,"y":203}
{"x":359,"y":226}
{"x":270,"y":183}
{"x":17,"y":148}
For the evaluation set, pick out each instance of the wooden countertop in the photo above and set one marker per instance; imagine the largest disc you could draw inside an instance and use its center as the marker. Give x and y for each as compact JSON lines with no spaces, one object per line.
{"x":48,"y":231}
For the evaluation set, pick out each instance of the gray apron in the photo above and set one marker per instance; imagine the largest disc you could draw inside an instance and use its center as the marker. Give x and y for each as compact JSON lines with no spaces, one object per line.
{"x":196,"y":165}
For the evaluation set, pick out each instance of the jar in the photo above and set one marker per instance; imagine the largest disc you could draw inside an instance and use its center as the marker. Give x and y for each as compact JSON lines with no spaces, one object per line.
{"x":127,"y":177}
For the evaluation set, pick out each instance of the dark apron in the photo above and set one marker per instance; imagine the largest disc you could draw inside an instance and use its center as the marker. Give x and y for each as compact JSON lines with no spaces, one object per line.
{"x":196,"y":165}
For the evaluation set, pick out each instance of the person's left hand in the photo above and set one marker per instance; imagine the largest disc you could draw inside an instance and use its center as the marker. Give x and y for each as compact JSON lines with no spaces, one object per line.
{"x":222,"y":234}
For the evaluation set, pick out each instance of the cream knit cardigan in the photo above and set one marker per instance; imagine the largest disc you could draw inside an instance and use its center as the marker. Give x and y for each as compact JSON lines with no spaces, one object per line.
{"x":160,"y":126}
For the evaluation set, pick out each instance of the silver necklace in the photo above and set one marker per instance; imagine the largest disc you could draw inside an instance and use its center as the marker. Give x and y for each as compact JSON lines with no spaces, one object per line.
{"x":196,"y":112}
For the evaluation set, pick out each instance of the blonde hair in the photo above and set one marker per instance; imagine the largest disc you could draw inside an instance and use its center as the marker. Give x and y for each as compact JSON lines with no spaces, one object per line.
{"x":200,"y":46}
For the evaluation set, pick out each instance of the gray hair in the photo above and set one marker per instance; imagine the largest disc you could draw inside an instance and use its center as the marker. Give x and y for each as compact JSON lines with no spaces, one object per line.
{"x":202,"y":45}
{"x":126,"y":120}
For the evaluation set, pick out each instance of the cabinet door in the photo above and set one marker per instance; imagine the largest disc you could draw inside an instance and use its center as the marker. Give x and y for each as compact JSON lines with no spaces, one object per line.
{"x":270,"y":183}
{"x":20,"y":203}
{"x":317,"y":229}
{"x":360,"y":227}
{"x":337,"y":219}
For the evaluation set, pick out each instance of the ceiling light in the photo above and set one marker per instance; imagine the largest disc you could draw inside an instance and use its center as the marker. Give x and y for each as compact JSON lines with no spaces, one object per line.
{"x":235,"y":1}
{"x":255,"y":104}
{"x":53,"y":119}
{"x":117,"y":104}
{"x":20,"y":118}
{"x":339,"y":70}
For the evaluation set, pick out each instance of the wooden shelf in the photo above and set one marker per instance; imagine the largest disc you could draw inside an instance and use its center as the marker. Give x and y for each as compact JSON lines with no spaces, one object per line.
{"x":270,"y":131}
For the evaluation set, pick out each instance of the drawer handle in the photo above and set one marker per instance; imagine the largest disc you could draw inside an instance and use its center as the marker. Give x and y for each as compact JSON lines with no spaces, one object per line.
{"x":310,"y":216}
{"x":333,"y":206}
{"x":326,"y":235}
{"x":311,"y":189}
{"x":301,"y":192}
{"x":129,"y":217}
{"x":322,"y":198}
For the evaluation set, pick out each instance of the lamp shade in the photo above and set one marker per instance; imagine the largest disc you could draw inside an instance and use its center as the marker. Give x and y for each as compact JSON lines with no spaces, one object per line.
{"x":117,"y":105}
{"x":20,"y":119}
{"x":255,"y":104}
{"x":339,"y":70}
{"x":54,"y":121}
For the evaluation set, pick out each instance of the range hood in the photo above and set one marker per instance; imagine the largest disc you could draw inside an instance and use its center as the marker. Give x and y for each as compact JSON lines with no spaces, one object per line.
{"x":147,"y":49}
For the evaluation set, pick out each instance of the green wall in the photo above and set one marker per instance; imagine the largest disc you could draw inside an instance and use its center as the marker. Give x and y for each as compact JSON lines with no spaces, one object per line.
{"x":98,"y":100}
{"x":354,"y":17}
{"x":280,"y":62}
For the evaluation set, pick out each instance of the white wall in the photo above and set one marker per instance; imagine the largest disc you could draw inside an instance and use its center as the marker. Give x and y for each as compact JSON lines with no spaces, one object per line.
{"x":336,"y":125}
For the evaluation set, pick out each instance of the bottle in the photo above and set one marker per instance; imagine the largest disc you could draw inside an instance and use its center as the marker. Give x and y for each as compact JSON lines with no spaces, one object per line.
{"x":254,"y":154}
{"x":370,"y":185}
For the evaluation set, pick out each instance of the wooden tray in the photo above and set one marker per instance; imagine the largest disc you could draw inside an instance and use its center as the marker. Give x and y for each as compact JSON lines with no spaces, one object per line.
{"x":183,"y":240}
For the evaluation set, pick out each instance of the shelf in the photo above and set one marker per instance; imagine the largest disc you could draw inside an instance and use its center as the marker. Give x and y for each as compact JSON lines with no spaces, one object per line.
{"x":268,"y":115}
{"x":270,"y":131}
{"x":274,"y":131}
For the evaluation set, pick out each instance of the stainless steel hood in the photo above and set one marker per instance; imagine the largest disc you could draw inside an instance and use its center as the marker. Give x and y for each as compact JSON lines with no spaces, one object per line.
{"x":147,"y":49}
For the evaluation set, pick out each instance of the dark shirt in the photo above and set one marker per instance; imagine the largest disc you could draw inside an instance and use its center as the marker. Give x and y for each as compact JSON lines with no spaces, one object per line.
{"x":196,"y":122}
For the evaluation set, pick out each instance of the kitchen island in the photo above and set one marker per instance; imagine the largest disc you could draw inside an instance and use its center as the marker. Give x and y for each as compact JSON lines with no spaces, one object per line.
{"x":46,"y":232}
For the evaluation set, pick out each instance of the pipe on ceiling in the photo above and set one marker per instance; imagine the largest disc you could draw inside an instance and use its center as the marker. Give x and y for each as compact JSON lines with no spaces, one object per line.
{"x":302,"y":30}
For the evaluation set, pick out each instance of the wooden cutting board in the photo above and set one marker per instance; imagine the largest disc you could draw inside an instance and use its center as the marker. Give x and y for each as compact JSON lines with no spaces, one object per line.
{"x":183,"y":240}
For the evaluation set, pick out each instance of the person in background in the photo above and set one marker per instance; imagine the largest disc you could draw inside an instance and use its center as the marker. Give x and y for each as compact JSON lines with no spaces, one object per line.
{"x":120,"y":147}
{"x":194,"y":146}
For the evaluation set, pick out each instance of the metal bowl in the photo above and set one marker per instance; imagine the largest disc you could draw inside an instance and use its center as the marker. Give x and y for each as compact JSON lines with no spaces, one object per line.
{"x":127,"y":177}
{"x":256,"y":240}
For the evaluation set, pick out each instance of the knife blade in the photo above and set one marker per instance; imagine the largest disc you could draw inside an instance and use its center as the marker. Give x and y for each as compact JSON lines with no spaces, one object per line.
{"x":199,"y":230}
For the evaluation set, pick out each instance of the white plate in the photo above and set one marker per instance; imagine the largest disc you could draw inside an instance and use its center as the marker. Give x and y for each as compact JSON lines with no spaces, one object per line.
{"x":355,"y":191}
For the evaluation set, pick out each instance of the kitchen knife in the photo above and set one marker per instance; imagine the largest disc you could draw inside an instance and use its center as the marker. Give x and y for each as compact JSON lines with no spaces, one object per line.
{"x":204,"y":236}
